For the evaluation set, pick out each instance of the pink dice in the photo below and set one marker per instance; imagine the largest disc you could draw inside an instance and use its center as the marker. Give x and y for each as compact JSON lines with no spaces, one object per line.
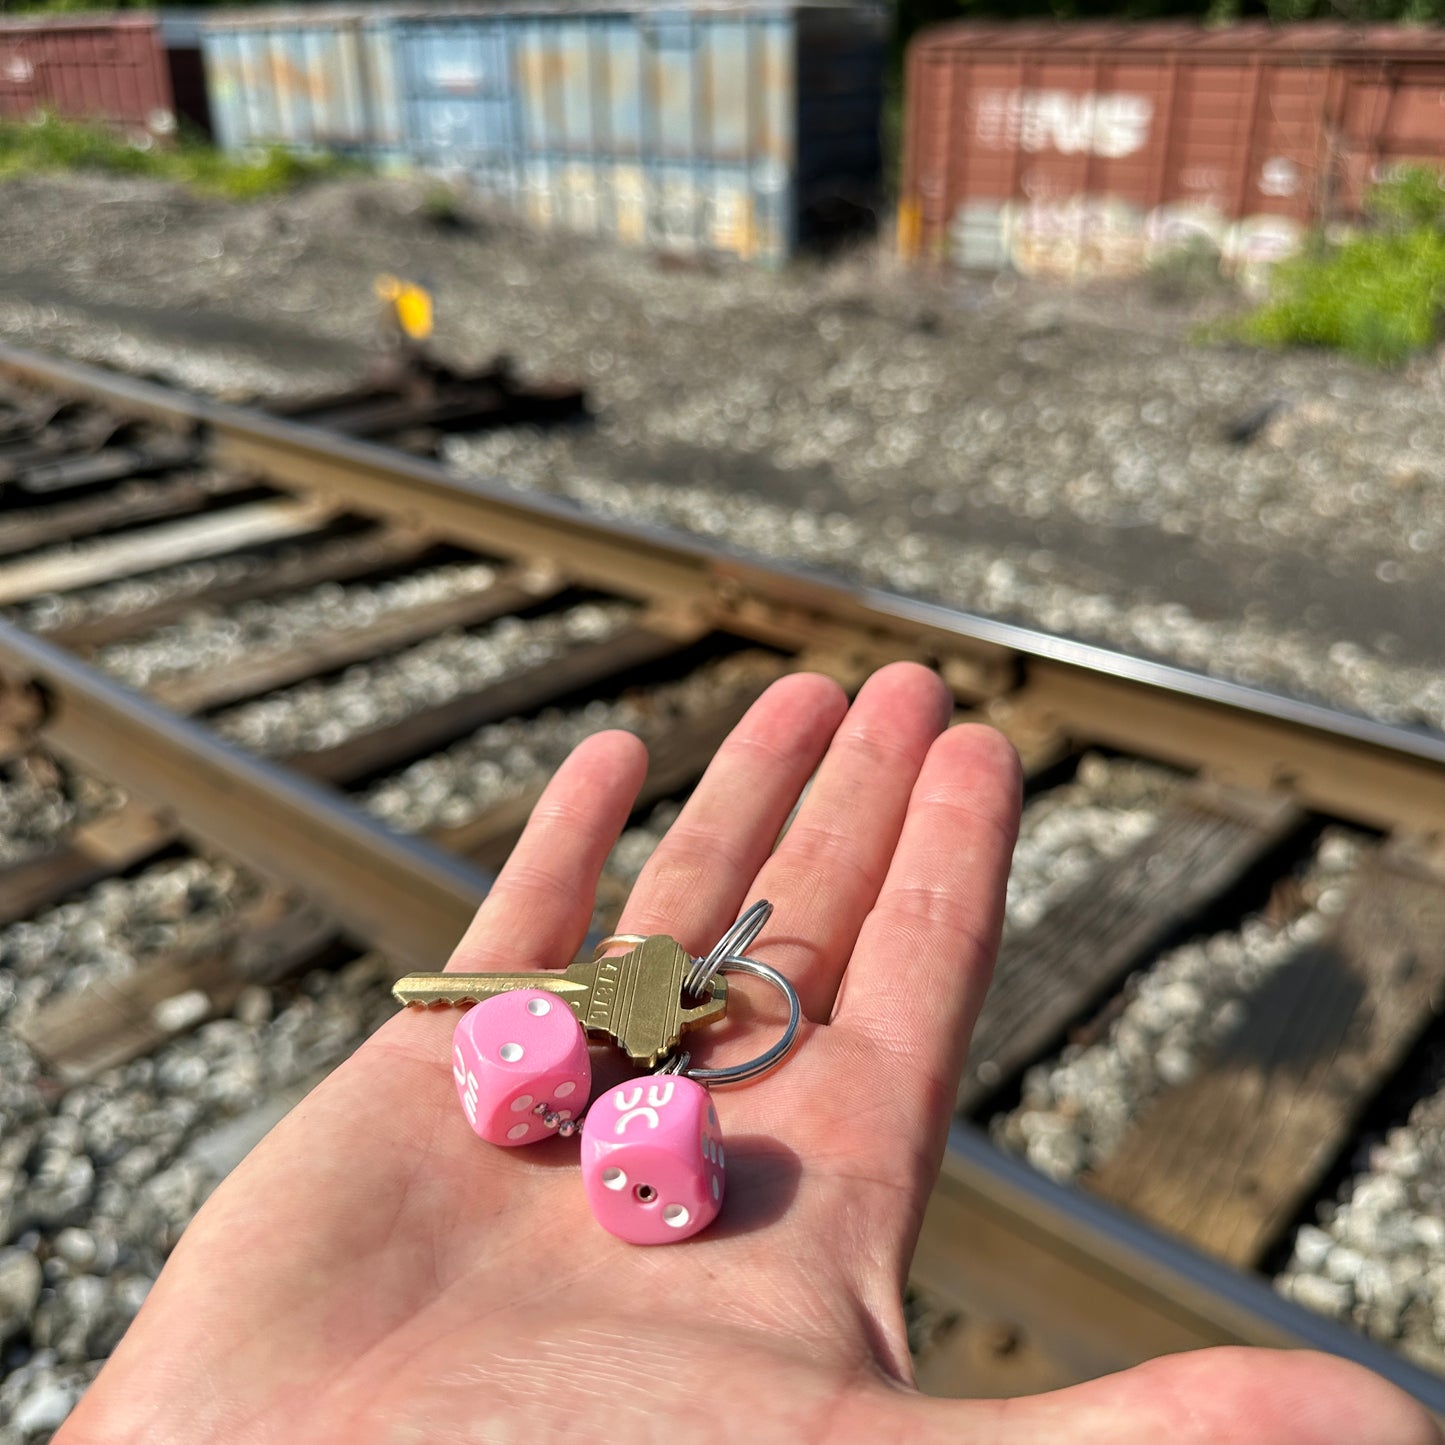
{"x":514,"y":1052}
{"x":652,"y":1160}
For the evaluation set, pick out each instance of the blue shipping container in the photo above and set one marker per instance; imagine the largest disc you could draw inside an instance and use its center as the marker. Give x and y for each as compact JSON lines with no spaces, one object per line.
{"x":744,"y":128}
{"x":458,"y":99}
{"x":320,"y":79}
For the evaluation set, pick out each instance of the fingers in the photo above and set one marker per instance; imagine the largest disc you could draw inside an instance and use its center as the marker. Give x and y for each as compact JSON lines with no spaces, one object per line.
{"x":923,"y":959}
{"x":695,"y":884}
{"x":1211,"y":1397}
{"x":827,"y":871}
{"x":536,"y":915}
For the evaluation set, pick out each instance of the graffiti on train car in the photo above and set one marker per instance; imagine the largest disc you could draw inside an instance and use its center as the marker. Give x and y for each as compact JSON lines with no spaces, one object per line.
{"x":1114,"y":125}
{"x":1096,"y":148}
{"x":1100,"y":235}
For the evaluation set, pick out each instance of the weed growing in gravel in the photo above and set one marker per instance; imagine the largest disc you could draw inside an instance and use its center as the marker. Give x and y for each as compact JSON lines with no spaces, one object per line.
{"x":1378,"y":295}
{"x":62,"y":145}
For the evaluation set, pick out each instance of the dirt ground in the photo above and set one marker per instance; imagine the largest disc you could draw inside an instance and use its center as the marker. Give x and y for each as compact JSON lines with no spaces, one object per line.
{"x":1072,"y":458}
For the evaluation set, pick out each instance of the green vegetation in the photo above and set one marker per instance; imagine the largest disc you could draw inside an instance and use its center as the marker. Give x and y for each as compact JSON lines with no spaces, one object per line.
{"x":1378,"y":295}
{"x":913,"y":15}
{"x":61,"y":145}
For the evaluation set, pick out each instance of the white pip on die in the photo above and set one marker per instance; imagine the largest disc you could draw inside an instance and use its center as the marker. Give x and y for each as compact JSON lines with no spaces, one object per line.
{"x":521,"y":1067}
{"x":652,"y":1160}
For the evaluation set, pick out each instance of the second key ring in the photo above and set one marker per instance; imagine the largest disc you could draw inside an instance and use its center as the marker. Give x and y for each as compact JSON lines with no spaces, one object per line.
{"x":728,"y":955}
{"x":769,"y":1058}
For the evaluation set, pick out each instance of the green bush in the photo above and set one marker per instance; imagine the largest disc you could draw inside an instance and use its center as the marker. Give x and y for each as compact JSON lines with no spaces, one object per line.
{"x":1411,"y":197}
{"x":62,"y":145}
{"x":1378,"y":295}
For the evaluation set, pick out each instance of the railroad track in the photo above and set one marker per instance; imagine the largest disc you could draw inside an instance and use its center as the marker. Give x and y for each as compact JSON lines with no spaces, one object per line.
{"x":288,"y":649}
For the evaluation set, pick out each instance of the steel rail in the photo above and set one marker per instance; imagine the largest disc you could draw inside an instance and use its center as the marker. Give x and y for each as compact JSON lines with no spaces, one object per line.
{"x":400,"y":895}
{"x":1094,"y":1290}
{"x":488,"y":514}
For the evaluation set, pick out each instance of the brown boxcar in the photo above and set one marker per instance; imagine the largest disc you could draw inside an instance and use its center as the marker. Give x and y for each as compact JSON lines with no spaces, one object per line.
{"x":1061,"y":149}
{"x":107,"y":68}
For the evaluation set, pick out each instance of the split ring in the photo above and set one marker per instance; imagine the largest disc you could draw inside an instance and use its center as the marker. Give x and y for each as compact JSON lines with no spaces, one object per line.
{"x":736,"y":941}
{"x":770,"y":1058}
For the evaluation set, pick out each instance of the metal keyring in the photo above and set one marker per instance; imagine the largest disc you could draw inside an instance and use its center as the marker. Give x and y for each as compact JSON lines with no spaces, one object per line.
{"x":734,"y":943}
{"x":741,"y":1073}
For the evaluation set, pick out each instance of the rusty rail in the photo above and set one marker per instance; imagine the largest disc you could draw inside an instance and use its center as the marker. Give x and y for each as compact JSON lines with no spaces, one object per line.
{"x":1086,"y":1289}
{"x":401,"y":895}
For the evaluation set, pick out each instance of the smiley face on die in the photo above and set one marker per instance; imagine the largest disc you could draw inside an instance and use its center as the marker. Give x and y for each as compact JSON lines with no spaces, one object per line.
{"x":514,"y":1052}
{"x":652,"y":1160}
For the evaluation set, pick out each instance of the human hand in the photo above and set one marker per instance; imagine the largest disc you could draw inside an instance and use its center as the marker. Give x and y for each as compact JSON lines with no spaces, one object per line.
{"x":373,"y":1271}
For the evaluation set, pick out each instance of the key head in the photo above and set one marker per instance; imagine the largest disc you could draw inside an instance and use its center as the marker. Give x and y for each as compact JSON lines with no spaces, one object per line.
{"x":652,"y":1160}
{"x":514,"y":1052}
{"x":636,"y":999}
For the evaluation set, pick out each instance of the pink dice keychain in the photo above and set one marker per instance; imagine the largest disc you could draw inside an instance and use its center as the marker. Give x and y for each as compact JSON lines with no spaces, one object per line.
{"x":653,"y":1160}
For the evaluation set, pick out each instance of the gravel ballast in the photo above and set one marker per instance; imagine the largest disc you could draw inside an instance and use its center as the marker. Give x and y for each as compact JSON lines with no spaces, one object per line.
{"x":325,"y":712}
{"x":1077,"y":1108}
{"x":41,"y":802}
{"x":98,"y":1180}
{"x":1375,"y":1257}
{"x":1070,"y":459}
{"x":510,"y":758}
{"x":203,"y":640}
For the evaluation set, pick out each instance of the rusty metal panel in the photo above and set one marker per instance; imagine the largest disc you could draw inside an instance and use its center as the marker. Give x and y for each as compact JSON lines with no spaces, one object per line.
{"x":1391,"y":113}
{"x":659,"y":85}
{"x":1097,"y":148}
{"x":101,"y":68}
{"x":739,"y":127}
{"x":307,"y":80}
{"x":1094,"y":148}
{"x":720,"y":129}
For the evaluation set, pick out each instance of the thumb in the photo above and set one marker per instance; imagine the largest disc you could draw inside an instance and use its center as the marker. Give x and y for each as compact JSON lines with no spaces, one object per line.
{"x":1212,"y":1397}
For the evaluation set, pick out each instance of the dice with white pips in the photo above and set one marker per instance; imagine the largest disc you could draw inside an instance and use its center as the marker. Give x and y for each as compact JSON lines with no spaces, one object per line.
{"x":652,"y":1160}
{"x":516,"y":1059}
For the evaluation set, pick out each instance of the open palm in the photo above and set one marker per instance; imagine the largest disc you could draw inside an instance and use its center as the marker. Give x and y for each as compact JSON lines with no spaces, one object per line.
{"x":373,"y":1271}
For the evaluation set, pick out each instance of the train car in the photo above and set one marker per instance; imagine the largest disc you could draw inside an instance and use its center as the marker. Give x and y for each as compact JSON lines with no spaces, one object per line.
{"x":747,"y":129}
{"x":106,"y":68}
{"x":322,"y":78}
{"x":1092,"y":148}
{"x":751,"y":130}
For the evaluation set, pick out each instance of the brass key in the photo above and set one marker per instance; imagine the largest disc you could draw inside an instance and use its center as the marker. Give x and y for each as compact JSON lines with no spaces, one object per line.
{"x":634,"y":999}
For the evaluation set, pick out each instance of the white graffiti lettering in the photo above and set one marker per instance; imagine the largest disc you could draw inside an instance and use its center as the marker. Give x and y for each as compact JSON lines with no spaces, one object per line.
{"x":1111,"y":125}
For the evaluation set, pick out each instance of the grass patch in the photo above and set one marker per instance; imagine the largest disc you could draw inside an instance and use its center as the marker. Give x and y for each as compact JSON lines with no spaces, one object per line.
{"x":60,"y":145}
{"x":1379,"y":295}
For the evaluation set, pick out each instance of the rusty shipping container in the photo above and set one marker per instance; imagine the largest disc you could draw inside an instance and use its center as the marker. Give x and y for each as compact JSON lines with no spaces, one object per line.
{"x":1093,"y":148}
{"x":108,"y":68}
{"x":743,"y":128}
